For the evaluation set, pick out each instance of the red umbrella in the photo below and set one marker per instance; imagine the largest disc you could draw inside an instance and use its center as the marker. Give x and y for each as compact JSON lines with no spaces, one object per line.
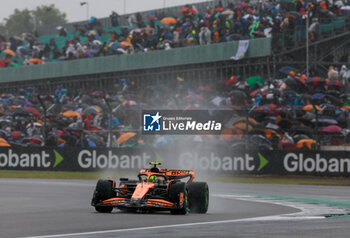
{"x":33,"y":110}
{"x":185,"y":9}
{"x":334,"y":84}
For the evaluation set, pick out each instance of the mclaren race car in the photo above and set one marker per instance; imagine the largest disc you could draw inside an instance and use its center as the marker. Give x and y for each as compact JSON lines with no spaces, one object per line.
{"x":155,"y":189}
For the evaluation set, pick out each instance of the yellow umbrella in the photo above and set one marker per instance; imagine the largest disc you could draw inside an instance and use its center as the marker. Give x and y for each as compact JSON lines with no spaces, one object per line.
{"x":125,"y":137}
{"x":311,"y":107}
{"x":71,"y":114}
{"x":168,"y":20}
{"x":9,"y":52}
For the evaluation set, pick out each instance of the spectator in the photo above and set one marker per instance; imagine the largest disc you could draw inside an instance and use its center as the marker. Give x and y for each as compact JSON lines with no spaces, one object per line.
{"x":332,"y":73}
{"x":204,"y":36}
{"x":114,"y":19}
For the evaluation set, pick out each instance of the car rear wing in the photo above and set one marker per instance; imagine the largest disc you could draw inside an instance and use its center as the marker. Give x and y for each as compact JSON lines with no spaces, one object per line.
{"x":171,"y":174}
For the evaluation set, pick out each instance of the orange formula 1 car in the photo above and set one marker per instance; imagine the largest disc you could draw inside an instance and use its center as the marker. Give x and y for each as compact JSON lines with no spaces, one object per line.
{"x":155,"y":189}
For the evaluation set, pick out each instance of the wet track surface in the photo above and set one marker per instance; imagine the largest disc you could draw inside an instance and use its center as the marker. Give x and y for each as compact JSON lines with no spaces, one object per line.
{"x":54,"y":207}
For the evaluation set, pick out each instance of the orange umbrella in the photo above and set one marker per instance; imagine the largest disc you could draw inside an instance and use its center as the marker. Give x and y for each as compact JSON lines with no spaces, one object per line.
{"x":126,"y":43}
{"x":71,"y":114}
{"x":4,"y":143}
{"x":306,"y":143}
{"x":35,"y":61}
{"x":243,"y":126}
{"x":346,"y":108}
{"x":168,"y":20}
{"x":9,"y":52}
{"x":125,"y":137}
{"x":244,"y":119}
{"x":311,"y":107}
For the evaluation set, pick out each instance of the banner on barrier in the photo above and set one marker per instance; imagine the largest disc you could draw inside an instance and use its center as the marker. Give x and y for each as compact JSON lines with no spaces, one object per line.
{"x":210,"y":160}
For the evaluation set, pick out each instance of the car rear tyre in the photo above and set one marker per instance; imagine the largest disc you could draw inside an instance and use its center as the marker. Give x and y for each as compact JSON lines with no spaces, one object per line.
{"x":104,"y":190}
{"x":175,"y":191}
{"x":198,"y":197}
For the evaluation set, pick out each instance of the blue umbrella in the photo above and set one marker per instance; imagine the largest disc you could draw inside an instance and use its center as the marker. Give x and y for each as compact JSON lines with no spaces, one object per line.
{"x":318,"y":96}
{"x":91,"y":143}
{"x":287,"y":69}
{"x":92,"y":19}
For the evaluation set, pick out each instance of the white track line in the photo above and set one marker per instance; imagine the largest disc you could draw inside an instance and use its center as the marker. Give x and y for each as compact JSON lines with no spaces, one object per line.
{"x":265,"y":218}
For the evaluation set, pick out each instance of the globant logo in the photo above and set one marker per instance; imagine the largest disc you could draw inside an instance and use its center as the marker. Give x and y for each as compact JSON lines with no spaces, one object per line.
{"x":293,"y":162}
{"x":93,"y":160}
{"x":43,"y":159}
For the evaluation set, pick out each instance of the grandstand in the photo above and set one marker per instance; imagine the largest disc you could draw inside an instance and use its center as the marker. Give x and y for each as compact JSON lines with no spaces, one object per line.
{"x":199,"y":66}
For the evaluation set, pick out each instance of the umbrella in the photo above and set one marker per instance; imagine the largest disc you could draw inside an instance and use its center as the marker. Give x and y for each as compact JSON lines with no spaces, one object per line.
{"x":4,"y":133}
{"x":4,"y":143}
{"x":91,"y":143}
{"x":316,"y":82}
{"x":254,"y":80}
{"x":91,"y":110}
{"x":345,"y":8}
{"x":89,"y":52}
{"x":331,"y":129}
{"x":71,"y":114}
{"x":126,"y":43}
{"x":311,"y":107}
{"x":257,"y":92}
{"x":325,"y":121}
{"x":227,"y":12}
{"x":306,"y":144}
{"x":33,"y":110}
{"x":168,"y":20}
{"x":259,"y":140}
{"x":243,"y":126}
{"x":251,"y":120}
{"x":266,"y":109}
{"x":69,"y":107}
{"x":35,"y":61}
{"x":125,"y":137}
{"x":334,"y":84}
{"x":9,"y":52}
{"x":318,"y":96}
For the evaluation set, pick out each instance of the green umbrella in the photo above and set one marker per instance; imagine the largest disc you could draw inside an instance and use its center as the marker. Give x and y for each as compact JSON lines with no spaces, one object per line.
{"x":254,"y":79}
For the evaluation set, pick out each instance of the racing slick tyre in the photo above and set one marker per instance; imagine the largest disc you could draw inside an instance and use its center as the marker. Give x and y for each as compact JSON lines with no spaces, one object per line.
{"x":198,"y":197}
{"x":104,"y":190}
{"x":175,"y":191}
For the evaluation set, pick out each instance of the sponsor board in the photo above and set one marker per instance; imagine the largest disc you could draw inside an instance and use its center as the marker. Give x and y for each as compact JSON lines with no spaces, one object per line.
{"x":214,"y":160}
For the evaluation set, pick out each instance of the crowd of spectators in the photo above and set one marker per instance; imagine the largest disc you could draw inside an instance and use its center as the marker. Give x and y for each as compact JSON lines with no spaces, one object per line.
{"x":238,"y":20}
{"x":294,"y":112}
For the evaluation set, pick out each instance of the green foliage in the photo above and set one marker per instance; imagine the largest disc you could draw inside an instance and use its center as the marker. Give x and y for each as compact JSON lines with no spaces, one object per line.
{"x":48,"y":16}
{"x":19,"y":22}
{"x":28,"y":21}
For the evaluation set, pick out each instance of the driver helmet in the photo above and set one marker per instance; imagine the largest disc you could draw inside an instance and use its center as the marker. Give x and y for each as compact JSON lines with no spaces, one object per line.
{"x":153,"y":179}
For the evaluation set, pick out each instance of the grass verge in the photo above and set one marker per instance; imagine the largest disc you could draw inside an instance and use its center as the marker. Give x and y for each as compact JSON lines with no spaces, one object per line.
{"x":227,"y":179}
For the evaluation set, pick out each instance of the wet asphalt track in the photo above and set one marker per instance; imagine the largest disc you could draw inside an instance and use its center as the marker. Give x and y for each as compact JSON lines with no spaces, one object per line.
{"x":53,"y":207}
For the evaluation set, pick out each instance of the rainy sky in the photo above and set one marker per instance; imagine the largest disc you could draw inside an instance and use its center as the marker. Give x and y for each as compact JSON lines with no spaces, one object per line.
{"x":97,"y":8}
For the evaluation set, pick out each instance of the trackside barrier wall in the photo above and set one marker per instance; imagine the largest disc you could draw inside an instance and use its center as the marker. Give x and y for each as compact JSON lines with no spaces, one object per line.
{"x":179,"y":56}
{"x":220,"y":160}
